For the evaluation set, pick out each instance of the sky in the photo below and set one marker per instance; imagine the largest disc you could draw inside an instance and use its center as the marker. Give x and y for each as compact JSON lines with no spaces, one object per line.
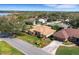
{"x":40,"y":7}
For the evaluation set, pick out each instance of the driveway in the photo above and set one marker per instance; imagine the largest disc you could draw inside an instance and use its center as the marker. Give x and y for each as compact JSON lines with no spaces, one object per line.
{"x":52,"y":47}
{"x":24,"y":47}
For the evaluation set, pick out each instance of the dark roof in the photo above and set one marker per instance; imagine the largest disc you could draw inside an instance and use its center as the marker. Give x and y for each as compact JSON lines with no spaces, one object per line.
{"x":30,"y":20}
{"x":66,"y":33}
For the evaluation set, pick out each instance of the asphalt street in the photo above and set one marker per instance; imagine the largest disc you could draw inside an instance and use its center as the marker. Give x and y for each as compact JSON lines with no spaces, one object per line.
{"x":24,"y":47}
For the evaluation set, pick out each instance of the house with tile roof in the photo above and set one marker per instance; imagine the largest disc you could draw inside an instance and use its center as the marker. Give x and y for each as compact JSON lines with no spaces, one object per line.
{"x":42,"y":31}
{"x":70,"y":34}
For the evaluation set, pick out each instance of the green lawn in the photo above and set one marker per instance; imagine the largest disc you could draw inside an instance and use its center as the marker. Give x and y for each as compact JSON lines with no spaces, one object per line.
{"x":68,"y":50}
{"x":6,"y":49}
{"x":34,"y":40}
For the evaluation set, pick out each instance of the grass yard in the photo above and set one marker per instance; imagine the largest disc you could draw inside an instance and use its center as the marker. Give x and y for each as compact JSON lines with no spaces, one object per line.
{"x":6,"y":49}
{"x":34,"y":40}
{"x":68,"y":50}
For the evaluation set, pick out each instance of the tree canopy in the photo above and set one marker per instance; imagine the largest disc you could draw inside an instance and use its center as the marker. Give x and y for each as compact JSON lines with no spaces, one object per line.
{"x":11,"y":25}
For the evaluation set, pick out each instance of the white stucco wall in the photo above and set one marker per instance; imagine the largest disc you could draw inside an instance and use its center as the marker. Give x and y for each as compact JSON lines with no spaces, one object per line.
{"x":42,"y":20}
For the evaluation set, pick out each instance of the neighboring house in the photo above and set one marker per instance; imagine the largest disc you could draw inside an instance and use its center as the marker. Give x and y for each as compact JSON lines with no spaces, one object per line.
{"x":42,"y":31}
{"x":58,"y":23}
{"x":35,"y":21}
{"x":67,"y":34}
{"x":31,"y":21}
{"x":67,"y":20}
{"x":42,"y":20}
{"x":63,"y":25}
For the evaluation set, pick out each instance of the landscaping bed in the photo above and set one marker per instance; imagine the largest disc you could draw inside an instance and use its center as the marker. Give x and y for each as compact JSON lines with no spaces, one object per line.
{"x":67,"y":43}
{"x":62,"y":50}
{"x":6,"y":49}
{"x":34,"y":40}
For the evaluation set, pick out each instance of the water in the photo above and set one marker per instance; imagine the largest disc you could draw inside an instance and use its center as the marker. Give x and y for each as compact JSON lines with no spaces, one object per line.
{"x":4,"y":14}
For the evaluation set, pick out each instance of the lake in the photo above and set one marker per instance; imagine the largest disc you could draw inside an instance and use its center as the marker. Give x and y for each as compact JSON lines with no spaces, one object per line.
{"x":4,"y":14}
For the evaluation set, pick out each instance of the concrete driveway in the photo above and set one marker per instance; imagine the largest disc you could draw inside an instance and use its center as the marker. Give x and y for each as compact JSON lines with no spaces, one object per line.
{"x":52,"y":47}
{"x":24,"y":47}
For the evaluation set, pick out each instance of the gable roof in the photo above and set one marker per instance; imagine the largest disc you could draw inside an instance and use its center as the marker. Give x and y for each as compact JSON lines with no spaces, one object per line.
{"x":65,"y":33}
{"x":45,"y":30}
{"x":30,"y":20}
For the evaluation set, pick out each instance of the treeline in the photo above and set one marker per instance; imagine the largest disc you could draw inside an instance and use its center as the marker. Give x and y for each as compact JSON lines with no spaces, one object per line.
{"x":53,"y":16}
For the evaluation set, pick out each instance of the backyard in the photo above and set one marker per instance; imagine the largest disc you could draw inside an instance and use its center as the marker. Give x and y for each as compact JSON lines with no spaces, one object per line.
{"x":6,"y":49}
{"x":62,"y":50}
{"x":33,"y":40}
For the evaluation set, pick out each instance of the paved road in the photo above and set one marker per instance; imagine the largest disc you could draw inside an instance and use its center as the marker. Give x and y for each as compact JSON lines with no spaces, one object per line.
{"x":25,"y":47}
{"x":52,"y":47}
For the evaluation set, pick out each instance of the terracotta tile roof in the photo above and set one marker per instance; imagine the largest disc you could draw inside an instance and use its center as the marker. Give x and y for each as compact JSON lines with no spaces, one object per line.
{"x":45,"y":30}
{"x":65,"y":33}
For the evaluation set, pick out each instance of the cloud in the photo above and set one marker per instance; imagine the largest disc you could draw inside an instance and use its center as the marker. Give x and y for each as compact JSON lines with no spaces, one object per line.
{"x":61,"y":6}
{"x":67,"y":6}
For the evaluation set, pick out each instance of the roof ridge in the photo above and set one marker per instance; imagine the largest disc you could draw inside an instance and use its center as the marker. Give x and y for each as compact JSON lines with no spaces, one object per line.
{"x":65,"y":34}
